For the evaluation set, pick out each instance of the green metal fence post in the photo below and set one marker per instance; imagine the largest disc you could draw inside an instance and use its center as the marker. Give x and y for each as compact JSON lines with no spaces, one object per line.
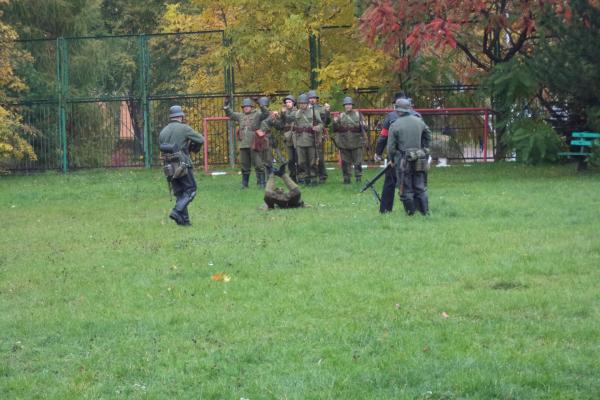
{"x":313,"y":47}
{"x":229,"y":91}
{"x":144,"y":62}
{"x":62,"y":78}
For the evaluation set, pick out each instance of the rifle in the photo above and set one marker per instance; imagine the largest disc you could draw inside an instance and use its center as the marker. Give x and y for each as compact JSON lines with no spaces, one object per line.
{"x":315,"y":141}
{"x":370,"y":184}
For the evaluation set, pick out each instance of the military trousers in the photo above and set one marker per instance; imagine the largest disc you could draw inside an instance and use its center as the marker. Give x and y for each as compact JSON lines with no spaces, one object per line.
{"x":266,"y":157}
{"x":307,"y":166}
{"x":248,"y":158}
{"x":389,"y":191}
{"x":292,"y":162}
{"x":414,"y":192}
{"x":321,"y":167}
{"x":352,"y":157}
{"x":184,"y":189}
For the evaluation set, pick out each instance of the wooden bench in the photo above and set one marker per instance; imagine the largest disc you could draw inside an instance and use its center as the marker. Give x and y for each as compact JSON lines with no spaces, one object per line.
{"x":584,"y":141}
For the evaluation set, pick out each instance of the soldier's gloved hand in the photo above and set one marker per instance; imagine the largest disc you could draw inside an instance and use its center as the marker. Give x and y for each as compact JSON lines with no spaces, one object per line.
{"x":377,"y":158}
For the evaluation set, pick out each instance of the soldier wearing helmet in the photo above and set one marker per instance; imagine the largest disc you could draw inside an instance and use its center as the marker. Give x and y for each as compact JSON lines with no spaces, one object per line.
{"x":263,"y":141}
{"x":285,"y":121}
{"x":324,"y":113}
{"x":389,"y":184}
{"x":307,"y":127}
{"x":249,"y":122}
{"x":176,"y":141}
{"x":350,"y":137}
{"x":408,"y":150}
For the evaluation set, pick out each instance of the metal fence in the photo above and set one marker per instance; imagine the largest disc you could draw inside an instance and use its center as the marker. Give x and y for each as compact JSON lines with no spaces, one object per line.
{"x":100,"y":102}
{"x":458,"y":134}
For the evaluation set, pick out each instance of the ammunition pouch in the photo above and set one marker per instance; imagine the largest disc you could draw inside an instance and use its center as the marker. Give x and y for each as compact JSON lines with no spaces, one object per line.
{"x":418,"y":157}
{"x":173,"y":165}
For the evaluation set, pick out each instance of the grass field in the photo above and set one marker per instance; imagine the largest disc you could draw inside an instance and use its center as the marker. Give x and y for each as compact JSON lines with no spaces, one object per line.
{"x":496,"y":295}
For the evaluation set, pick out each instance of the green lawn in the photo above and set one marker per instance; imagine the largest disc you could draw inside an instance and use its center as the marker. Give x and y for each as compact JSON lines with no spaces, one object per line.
{"x":495,"y":295}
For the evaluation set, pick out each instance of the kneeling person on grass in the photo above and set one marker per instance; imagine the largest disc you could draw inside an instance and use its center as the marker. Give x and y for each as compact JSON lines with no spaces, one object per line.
{"x":275,"y":196}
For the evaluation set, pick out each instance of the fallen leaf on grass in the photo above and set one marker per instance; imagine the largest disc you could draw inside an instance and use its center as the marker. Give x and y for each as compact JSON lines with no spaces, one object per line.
{"x":444,"y":314}
{"x":217,"y":277}
{"x":221,"y":276}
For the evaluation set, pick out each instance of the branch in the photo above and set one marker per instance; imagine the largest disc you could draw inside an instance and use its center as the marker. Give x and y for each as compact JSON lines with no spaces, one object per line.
{"x":471,"y":57}
{"x":488,"y":50}
{"x":517,"y":46}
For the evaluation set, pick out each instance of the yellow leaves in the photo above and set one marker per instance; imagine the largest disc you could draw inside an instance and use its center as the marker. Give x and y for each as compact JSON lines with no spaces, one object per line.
{"x":12,"y":144}
{"x":221,"y":277}
{"x":367,"y":68}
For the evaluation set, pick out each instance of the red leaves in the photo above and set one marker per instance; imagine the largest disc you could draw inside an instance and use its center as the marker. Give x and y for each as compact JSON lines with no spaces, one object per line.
{"x":438,"y":23}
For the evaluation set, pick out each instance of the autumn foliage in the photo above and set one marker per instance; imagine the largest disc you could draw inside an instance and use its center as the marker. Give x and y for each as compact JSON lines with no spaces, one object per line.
{"x":487,"y":32}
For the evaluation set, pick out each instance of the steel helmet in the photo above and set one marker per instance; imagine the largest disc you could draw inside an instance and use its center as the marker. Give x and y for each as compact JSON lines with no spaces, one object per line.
{"x":403,"y":105}
{"x":263,"y":101}
{"x":313,"y":94}
{"x":303,"y":98}
{"x":246,"y":102}
{"x":290,"y":97}
{"x":176,"y":111}
{"x":347,"y":100}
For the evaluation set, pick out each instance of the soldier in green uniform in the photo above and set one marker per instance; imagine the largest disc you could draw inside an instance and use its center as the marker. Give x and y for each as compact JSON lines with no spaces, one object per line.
{"x":408,"y":148}
{"x":263,"y":139}
{"x":307,"y":127}
{"x":324,"y":113}
{"x":275,"y":196}
{"x":176,"y":139}
{"x":249,"y":121}
{"x":349,"y":131}
{"x":286,"y":118}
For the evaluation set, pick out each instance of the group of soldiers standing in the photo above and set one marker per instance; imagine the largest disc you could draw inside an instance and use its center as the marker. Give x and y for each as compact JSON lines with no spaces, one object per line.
{"x":304,"y":126}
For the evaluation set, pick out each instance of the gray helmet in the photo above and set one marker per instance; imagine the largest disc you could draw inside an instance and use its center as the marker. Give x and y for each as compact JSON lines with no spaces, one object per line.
{"x":246,"y":102}
{"x":290,"y":97}
{"x":403,"y":105}
{"x":303,"y":98}
{"x":263,"y":101}
{"x":176,"y":111}
{"x":347,"y":100}
{"x":313,"y":94}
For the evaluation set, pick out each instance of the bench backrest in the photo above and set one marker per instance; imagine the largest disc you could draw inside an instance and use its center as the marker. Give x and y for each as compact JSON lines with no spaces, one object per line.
{"x":581,"y":138}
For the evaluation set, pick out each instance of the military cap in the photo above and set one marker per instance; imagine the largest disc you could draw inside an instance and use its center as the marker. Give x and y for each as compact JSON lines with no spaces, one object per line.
{"x":176,"y":111}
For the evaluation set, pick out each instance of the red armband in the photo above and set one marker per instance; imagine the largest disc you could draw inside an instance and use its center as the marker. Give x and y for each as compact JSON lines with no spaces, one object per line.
{"x":384,"y":132}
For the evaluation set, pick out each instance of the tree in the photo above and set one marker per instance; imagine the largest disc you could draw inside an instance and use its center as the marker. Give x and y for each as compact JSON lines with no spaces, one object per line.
{"x":269,"y":45}
{"x":13,"y":134}
{"x":486,"y":32}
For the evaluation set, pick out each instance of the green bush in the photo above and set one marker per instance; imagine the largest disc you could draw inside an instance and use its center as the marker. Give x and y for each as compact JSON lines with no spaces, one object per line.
{"x":534,"y":141}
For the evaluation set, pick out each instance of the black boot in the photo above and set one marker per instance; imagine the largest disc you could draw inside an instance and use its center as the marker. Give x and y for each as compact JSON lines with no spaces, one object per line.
{"x":279,"y":171}
{"x":423,"y":205}
{"x":358,"y":179}
{"x":409,"y":206}
{"x":346,"y":180}
{"x":245,"y":179}
{"x":261,"y":179}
